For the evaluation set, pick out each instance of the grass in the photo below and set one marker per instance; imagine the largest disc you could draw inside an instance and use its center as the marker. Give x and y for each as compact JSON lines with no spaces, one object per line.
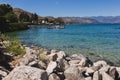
{"x":14,"y":47}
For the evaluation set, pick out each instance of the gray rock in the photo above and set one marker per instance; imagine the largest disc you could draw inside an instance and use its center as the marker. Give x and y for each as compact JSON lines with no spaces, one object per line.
{"x":51,"y":67}
{"x":62,"y":64}
{"x":88,"y":78}
{"x":100,"y":63}
{"x":73,"y":73}
{"x":61,"y":55}
{"x":74,"y":62}
{"x":118,"y":71}
{"x":113,"y":72}
{"x":104,"y":68}
{"x":53,"y":76}
{"x":31,"y":55}
{"x":83,"y":60}
{"x":105,"y":76}
{"x":2,"y":74}
{"x":26,"y":73}
{"x":96,"y":76}
{"x":42,"y":65}
{"x":52,"y":57}
{"x":33,"y":64}
{"x":89,"y":71}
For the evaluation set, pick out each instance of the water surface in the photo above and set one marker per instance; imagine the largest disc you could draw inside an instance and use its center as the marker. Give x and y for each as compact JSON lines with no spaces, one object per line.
{"x":102,"y":40}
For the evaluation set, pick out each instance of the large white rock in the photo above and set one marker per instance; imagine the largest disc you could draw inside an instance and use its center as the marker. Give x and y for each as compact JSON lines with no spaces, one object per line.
{"x":100,"y":63}
{"x":88,"y":78}
{"x":96,"y":76}
{"x":31,"y":55}
{"x":51,"y":66}
{"x":61,"y":55}
{"x":2,"y":74}
{"x":53,"y":76}
{"x":105,"y":76}
{"x":83,"y":60}
{"x":26,"y":73}
{"x":73,"y":73}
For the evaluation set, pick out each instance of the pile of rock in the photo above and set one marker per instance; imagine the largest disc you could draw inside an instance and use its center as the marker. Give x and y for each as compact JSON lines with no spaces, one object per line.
{"x":40,"y":64}
{"x":57,"y":65}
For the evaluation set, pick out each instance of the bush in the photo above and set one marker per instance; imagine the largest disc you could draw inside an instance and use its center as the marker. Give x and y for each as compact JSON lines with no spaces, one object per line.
{"x":15,"y":48}
{"x":17,"y":26}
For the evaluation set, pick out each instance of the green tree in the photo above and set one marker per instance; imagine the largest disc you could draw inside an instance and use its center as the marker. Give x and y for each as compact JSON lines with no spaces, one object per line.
{"x":24,"y":17}
{"x":34,"y":18}
{"x":11,"y":17}
{"x":4,"y":9}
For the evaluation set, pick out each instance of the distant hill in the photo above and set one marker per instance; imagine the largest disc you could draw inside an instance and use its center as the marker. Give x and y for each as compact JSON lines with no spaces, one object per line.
{"x":107,"y":19}
{"x":92,"y":20}
{"x":18,"y":11}
{"x":79,"y":20}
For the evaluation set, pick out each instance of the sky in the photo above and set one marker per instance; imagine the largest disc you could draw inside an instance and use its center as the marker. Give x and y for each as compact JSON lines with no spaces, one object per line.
{"x":68,"y":8}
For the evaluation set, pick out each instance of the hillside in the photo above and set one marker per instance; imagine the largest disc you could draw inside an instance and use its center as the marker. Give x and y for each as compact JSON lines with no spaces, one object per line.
{"x":18,"y":11}
{"x":79,"y":20}
{"x":107,"y":19}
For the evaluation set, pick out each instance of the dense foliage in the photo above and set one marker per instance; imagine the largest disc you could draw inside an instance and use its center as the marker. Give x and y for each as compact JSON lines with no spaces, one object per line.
{"x":8,"y":20}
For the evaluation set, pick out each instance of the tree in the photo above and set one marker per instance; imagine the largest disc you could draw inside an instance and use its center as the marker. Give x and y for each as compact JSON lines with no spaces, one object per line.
{"x":34,"y":17}
{"x":4,"y":9}
{"x":11,"y":17}
{"x":24,"y":17}
{"x":59,"y":21}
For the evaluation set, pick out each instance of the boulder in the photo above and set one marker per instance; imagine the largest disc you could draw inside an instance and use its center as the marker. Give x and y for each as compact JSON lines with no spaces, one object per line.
{"x":34,"y":64}
{"x":61,"y":55}
{"x":26,"y":73}
{"x":74,"y":62}
{"x":31,"y":55}
{"x":96,"y":68}
{"x":42,"y":65}
{"x":104,"y":69}
{"x":83,"y":60}
{"x":89,"y":71}
{"x":73,"y":73}
{"x":53,"y":56}
{"x":62,"y":64}
{"x":51,"y":67}
{"x":2,"y":74}
{"x":88,"y":78}
{"x":100,"y":63}
{"x":53,"y":76}
{"x":118,"y":71}
{"x":96,"y":76}
{"x":105,"y":76}
{"x":113,"y":73}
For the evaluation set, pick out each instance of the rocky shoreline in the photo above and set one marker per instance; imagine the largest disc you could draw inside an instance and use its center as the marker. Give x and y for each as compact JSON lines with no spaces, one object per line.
{"x":41,"y":64}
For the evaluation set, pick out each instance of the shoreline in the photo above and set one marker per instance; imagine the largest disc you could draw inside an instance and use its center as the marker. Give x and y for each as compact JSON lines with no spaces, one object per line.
{"x":54,"y":62}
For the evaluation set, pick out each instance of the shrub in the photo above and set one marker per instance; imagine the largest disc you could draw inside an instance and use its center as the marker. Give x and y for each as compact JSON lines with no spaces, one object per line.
{"x":15,"y":48}
{"x":17,"y":26}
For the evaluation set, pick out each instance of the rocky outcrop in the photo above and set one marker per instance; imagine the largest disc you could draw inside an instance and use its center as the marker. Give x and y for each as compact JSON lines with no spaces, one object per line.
{"x":40,"y":64}
{"x":26,"y":73}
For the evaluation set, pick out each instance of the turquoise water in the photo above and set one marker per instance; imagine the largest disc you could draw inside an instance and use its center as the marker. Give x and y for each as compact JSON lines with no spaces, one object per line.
{"x":102,"y":40}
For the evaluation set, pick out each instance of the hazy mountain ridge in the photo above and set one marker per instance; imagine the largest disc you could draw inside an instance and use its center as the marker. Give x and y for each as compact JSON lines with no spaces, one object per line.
{"x":80,"y":20}
{"x":107,"y":19}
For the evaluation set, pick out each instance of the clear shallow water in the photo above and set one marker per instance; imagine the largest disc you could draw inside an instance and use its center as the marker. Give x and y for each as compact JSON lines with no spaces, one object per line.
{"x":102,"y":40}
